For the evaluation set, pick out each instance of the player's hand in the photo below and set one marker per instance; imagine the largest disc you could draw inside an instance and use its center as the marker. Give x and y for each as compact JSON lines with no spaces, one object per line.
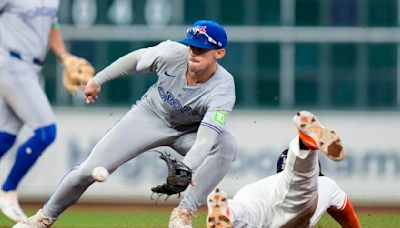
{"x":77,"y":72}
{"x":92,"y":91}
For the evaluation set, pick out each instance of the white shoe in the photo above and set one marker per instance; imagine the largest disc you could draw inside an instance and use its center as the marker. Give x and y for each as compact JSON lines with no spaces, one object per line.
{"x":180,"y":218}
{"x":218,"y":210}
{"x":317,"y":137}
{"x":37,"y":221}
{"x":10,"y":207}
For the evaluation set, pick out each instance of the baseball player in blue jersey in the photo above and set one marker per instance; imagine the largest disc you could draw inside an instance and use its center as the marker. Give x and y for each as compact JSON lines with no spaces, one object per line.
{"x":185,"y":109}
{"x":289,"y":198}
{"x":27,"y":28}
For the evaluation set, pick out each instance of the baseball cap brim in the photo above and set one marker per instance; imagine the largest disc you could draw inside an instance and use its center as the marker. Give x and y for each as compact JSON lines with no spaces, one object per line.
{"x":198,"y":43}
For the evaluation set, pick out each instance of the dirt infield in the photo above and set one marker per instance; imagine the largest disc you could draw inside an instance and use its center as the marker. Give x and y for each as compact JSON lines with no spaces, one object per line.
{"x":168,"y":206}
{"x":379,"y":209}
{"x":110,"y":206}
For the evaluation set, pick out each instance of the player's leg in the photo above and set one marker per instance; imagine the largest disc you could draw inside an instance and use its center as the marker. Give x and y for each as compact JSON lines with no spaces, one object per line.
{"x":122,"y":142}
{"x":9,"y":127}
{"x":300,"y":176}
{"x":298,"y":184}
{"x":39,"y":117}
{"x":6,"y":142}
{"x":28,"y":153}
{"x":218,"y":162}
{"x":23,"y":95}
{"x":9,"y":122}
{"x":250,"y":207}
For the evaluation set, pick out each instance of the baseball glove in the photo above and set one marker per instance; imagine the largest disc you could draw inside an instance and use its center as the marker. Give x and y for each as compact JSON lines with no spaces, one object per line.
{"x":77,"y":72}
{"x":178,"y":179}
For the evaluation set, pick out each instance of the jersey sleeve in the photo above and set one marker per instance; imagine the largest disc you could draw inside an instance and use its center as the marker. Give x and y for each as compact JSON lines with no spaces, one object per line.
{"x":220,"y":105}
{"x":157,"y":57}
{"x":149,"y":59}
{"x":55,"y":24}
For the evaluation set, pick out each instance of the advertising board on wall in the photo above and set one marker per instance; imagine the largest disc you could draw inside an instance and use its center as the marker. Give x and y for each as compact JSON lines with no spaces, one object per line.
{"x":369,"y":174}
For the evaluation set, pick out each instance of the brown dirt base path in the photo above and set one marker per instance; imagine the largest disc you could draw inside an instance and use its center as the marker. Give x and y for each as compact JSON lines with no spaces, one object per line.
{"x":166,"y":206}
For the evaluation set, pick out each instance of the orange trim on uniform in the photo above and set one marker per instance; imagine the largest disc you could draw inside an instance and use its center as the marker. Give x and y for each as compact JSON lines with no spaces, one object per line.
{"x":308,"y":141}
{"x":344,"y":203}
{"x":345,"y":216}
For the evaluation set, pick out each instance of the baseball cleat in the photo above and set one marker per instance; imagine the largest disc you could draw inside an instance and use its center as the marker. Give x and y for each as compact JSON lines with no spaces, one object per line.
{"x":36,"y":221}
{"x":317,"y":137}
{"x":218,"y":211}
{"x":181,"y":218}
{"x":10,"y":207}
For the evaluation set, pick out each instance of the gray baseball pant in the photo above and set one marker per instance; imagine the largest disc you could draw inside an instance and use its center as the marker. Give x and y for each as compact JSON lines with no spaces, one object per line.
{"x":138,"y":131}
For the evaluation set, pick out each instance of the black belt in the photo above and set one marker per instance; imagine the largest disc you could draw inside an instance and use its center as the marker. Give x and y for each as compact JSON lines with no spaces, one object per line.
{"x":19,"y":56}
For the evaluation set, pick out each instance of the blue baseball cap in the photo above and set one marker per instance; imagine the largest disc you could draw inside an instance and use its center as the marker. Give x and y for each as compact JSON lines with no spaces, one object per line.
{"x":206,"y":34}
{"x":281,"y":163}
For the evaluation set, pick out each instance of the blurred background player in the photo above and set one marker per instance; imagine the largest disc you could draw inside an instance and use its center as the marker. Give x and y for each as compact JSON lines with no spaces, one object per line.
{"x":185,"y":109}
{"x":331,"y":199}
{"x":286,"y":199}
{"x":27,"y":28}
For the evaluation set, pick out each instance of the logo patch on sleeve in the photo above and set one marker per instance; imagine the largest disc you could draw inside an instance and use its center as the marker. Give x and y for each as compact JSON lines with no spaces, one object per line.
{"x":219,"y":117}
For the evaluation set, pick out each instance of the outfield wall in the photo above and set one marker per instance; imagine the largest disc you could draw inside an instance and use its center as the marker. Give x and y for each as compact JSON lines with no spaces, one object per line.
{"x":370,"y":174}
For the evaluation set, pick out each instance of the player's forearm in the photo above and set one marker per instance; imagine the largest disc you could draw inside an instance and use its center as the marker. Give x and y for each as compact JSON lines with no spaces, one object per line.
{"x":205,"y":140}
{"x":56,"y":43}
{"x":121,"y":67}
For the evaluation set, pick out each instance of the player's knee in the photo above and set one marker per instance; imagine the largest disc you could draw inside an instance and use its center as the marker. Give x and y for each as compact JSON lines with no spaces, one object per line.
{"x":46,"y":135}
{"x":79,"y":177}
{"x":6,"y":141}
{"x":84,"y":174}
{"x":83,"y":178}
